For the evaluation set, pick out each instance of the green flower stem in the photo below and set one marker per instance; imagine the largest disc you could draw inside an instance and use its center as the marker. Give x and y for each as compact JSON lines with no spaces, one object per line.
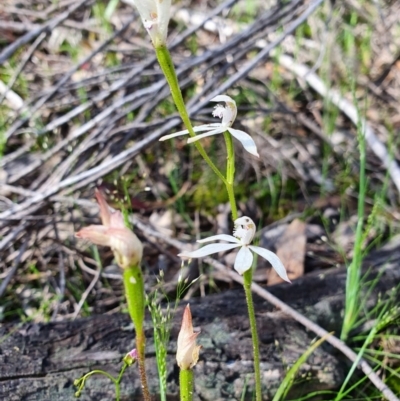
{"x":167,"y":66}
{"x":186,"y":384}
{"x":96,"y":372}
{"x":230,"y":173}
{"x":118,"y":382}
{"x":248,"y":278}
{"x":248,"y":275}
{"x":135,"y":296}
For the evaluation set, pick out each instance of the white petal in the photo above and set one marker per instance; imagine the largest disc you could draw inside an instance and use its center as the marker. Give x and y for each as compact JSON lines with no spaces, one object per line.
{"x":223,"y":98}
{"x":221,"y":237}
{"x":200,"y":128}
{"x":145,"y":8}
{"x":219,"y":130}
{"x":206,"y":127}
{"x":208,"y":250}
{"x":246,"y":140}
{"x":163,"y":9}
{"x":165,"y":137}
{"x":244,"y":260}
{"x":273,"y":259}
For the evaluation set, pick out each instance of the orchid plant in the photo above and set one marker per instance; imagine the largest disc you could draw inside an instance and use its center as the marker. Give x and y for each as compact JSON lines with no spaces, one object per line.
{"x":128,"y":251}
{"x":155,"y":15}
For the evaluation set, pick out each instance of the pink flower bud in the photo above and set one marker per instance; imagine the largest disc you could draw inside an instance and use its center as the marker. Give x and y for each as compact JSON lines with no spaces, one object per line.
{"x":131,"y":357}
{"x":187,"y":353}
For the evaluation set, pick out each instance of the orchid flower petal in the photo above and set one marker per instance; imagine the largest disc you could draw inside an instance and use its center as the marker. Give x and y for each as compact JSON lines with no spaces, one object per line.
{"x":208,"y":250}
{"x":223,"y":98}
{"x":273,"y":259}
{"x":221,"y":237}
{"x":163,"y":8}
{"x":105,"y":212}
{"x":212,"y":125}
{"x":165,"y":137}
{"x":246,"y":140}
{"x":219,"y":130}
{"x":155,"y":15}
{"x":206,"y":127}
{"x":244,"y":260}
{"x":200,"y":128}
{"x":96,"y":234}
{"x":117,"y":219}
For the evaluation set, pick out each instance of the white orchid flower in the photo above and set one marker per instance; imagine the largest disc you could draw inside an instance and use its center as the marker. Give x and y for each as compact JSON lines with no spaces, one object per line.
{"x":228,"y":115}
{"x":155,"y":15}
{"x":243,"y":234}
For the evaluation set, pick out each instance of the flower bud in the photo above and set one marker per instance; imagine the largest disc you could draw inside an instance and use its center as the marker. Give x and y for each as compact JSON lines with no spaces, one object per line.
{"x":187,"y":353}
{"x":131,"y":357}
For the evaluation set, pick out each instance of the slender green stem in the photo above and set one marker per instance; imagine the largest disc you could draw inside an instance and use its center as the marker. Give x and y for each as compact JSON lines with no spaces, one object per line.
{"x":99,"y":372}
{"x":186,"y":381}
{"x":230,"y":173}
{"x":118,"y":382}
{"x":248,"y":275}
{"x":134,"y":292}
{"x":80,"y":383}
{"x":167,"y":66}
{"x":117,"y":392}
{"x":248,"y":278}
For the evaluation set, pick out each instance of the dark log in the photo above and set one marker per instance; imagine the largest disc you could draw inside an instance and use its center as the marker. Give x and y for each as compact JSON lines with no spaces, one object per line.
{"x":39,"y":362}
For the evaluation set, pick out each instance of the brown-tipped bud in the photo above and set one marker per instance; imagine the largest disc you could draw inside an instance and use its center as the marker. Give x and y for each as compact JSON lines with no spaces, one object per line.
{"x":187,"y":353}
{"x":127,"y":248}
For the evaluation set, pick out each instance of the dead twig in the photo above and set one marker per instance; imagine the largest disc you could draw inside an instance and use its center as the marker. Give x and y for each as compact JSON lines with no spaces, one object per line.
{"x":21,"y":66}
{"x":18,"y":124}
{"x":261,"y":56}
{"x":14,"y":267}
{"x":86,"y":293}
{"x":23,"y":40}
